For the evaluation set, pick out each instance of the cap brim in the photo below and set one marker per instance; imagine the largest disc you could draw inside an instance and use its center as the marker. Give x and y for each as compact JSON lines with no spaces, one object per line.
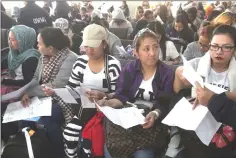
{"x":91,"y":43}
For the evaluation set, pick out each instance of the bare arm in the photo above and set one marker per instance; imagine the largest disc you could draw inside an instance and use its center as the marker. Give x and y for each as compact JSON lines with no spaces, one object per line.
{"x":180,"y":82}
{"x":231,"y":95}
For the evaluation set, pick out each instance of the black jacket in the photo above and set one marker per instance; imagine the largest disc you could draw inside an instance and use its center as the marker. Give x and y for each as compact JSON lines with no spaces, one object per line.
{"x":34,"y":16}
{"x":223,"y":109}
{"x":6,"y":21}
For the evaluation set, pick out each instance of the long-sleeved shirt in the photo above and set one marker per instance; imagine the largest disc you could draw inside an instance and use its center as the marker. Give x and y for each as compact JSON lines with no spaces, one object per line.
{"x":192,"y":51}
{"x":131,"y":77}
{"x":28,"y":69}
{"x":223,"y":109}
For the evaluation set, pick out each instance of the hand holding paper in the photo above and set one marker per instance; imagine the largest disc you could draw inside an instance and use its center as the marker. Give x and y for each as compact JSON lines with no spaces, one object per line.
{"x":126,"y":117}
{"x":199,"y":120}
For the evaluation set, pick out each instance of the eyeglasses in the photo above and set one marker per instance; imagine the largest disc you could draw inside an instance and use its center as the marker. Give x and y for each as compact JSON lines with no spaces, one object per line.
{"x":203,"y":45}
{"x":223,"y":48}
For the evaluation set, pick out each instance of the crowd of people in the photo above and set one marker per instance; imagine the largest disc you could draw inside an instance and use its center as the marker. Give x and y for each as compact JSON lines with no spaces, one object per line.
{"x":78,"y":47}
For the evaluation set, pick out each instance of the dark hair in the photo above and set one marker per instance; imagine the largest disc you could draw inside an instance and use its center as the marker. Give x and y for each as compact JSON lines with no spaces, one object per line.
{"x":181,"y":18}
{"x":157,"y":27}
{"x":213,"y":15}
{"x":227,"y":30}
{"x":147,"y":12}
{"x":90,"y":7}
{"x":139,"y":26}
{"x":102,"y":22}
{"x":192,"y":11}
{"x":77,"y":26}
{"x":54,"y":37}
{"x":83,"y":9}
{"x":163,"y":13}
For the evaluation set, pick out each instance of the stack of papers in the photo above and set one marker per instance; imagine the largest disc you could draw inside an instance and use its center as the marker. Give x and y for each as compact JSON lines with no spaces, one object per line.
{"x":38,"y":107}
{"x":126,"y":117}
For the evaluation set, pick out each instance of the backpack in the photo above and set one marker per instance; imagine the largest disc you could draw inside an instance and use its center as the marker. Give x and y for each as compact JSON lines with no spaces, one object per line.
{"x":28,"y":143}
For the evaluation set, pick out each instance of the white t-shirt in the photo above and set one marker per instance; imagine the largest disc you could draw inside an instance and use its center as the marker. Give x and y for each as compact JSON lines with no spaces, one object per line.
{"x":218,"y":79}
{"x":171,"y":52}
{"x":19,"y":73}
{"x":145,"y":94}
{"x":94,"y":81}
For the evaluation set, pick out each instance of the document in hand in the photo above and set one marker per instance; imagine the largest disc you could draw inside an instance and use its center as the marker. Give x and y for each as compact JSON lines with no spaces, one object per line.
{"x":126,"y":117}
{"x":85,"y":102}
{"x":65,"y":95}
{"x":190,"y":74}
{"x":199,"y":120}
{"x":38,"y":107}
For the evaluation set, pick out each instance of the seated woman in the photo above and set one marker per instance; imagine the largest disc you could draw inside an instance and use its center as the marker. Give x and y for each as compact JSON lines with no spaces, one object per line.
{"x":22,"y":58}
{"x":168,"y":52}
{"x":144,"y":81}
{"x":199,"y":48}
{"x":217,"y":67}
{"x":179,"y":29}
{"x":119,"y":21}
{"x":89,"y":71}
{"x":54,"y":69}
{"x":138,"y":14}
{"x":112,"y":39}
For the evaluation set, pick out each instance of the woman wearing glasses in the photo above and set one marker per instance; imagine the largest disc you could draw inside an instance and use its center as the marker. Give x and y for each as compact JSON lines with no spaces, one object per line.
{"x":217,"y":67}
{"x":199,"y":48}
{"x":138,"y":14}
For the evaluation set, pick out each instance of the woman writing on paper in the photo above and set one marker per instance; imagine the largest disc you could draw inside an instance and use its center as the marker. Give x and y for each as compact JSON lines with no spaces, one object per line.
{"x":89,"y":71}
{"x":145,"y":81}
{"x":216,"y":67}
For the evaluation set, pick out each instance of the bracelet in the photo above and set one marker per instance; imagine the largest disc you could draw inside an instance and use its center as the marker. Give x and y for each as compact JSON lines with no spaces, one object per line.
{"x":157,"y":114}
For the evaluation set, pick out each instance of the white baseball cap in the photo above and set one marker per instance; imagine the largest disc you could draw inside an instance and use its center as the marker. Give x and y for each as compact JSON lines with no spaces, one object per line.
{"x":93,"y":35}
{"x":62,"y":24}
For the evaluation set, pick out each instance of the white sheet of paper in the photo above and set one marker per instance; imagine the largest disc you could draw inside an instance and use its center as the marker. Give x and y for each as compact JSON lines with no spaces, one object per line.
{"x":38,"y":107}
{"x":199,"y":120}
{"x":86,"y":103}
{"x":73,"y":92}
{"x":190,"y":74}
{"x":126,"y":117}
{"x":18,"y":93}
{"x":65,"y":95}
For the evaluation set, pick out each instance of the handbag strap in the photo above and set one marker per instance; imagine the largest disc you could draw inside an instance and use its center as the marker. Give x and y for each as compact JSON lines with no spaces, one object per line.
{"x":107,"y":73}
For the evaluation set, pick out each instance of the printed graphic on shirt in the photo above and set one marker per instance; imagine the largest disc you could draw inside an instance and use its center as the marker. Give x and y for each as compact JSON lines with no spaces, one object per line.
{"x":219,"y":79}
{"x":39,"y":20}
{"x":145,"y":94}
